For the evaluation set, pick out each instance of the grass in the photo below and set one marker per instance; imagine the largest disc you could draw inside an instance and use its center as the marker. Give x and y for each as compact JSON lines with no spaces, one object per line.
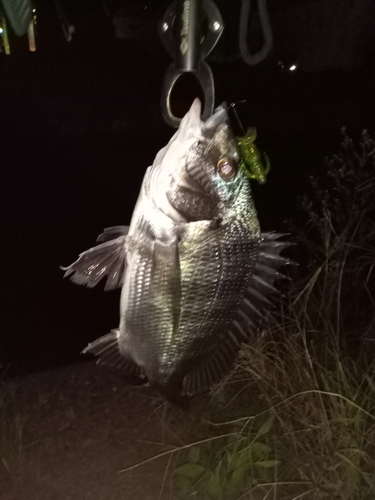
{"x":325,"y":417}
{"x":13,"y":449}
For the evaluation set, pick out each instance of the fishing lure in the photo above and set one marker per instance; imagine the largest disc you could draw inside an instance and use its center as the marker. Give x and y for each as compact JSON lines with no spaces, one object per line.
{"x":251,"y":161}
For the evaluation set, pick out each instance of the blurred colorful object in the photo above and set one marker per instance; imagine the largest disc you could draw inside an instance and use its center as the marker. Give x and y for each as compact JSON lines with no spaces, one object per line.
{"x":4,"y":35}
{"x":251,"y":158}
{"x":19,"y":14}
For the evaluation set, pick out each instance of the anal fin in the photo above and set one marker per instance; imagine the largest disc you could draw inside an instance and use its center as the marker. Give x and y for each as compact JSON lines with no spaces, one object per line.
{"x":214,"y":369}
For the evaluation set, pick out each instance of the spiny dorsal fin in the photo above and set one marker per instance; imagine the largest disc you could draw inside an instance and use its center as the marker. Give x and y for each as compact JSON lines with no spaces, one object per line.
{"x":253,"y":303}
{"x":260,"y":286}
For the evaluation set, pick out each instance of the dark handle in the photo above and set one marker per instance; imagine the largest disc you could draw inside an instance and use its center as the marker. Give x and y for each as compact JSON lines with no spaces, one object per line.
{"x":189,"y":31}
{"x":187,"y":34}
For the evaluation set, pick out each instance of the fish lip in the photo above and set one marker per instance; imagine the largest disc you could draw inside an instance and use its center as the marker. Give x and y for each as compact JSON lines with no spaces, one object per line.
{"x":166,"y":169}
{"x":204,"y":130}
{"x":212,"y":124}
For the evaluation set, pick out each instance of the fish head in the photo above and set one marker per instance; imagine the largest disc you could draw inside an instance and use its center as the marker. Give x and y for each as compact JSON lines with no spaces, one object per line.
{"x":198,"y":175}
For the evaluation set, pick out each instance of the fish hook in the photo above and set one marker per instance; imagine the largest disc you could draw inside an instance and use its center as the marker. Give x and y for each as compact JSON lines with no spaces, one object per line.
{"x":189,"y":30}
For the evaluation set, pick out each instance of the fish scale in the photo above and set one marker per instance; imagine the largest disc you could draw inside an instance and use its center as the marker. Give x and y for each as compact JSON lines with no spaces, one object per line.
{"x":194,"y":267}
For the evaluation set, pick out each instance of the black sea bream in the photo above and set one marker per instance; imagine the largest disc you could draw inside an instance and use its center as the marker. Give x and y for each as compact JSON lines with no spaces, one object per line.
{"x":193,"y":265}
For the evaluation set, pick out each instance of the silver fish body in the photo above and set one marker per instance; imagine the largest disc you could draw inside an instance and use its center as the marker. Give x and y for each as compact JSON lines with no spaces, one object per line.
{"x":193,"y":265}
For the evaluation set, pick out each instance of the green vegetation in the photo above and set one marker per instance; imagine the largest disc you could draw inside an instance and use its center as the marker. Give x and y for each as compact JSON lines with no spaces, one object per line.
{"x":218,"y":469}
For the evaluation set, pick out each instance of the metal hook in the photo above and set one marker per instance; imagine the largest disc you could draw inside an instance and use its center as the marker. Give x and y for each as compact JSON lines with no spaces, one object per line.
{"x":189,"y":30}
{"x":234,"y":119}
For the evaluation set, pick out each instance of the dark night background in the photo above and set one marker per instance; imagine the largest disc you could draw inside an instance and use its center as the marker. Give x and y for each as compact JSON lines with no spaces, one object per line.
{"x":80,"y":122}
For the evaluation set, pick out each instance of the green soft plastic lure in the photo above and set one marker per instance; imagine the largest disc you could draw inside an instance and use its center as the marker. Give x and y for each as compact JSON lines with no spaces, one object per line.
{"x":251,"y":161}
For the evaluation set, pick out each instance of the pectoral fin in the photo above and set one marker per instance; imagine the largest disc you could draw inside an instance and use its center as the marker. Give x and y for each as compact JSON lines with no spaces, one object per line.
{"x":110,"y":233}
{"x":105,"y":260}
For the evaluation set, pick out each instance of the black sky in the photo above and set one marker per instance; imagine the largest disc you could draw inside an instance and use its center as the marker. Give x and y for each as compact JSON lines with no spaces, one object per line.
{"x":79,"y":124}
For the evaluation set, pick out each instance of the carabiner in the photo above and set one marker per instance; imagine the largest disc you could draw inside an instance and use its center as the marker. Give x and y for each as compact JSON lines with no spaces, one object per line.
{"x":189,"y":30}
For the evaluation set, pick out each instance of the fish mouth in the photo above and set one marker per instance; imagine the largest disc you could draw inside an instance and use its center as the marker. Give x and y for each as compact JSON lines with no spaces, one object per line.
{"x":192,"y":192}
{"x":192,"y":125}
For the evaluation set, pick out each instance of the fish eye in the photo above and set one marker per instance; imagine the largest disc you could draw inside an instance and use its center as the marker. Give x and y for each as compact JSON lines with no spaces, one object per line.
{"x":227,"y":168}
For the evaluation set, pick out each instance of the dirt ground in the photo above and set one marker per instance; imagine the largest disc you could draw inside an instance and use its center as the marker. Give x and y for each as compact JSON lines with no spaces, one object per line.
{"x":69,"y":433}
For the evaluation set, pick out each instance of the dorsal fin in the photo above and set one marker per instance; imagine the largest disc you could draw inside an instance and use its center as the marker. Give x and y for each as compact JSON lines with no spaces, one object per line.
{"x":260,"y":286}
{"x":244,"y":321}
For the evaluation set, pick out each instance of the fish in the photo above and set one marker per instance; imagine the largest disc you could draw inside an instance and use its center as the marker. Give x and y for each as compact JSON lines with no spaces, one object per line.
{"x":194,"y":267}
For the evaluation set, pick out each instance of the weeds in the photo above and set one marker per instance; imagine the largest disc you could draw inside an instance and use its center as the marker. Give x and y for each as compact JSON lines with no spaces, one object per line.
{"x":11,"y":436}
{"x":336,"y":234}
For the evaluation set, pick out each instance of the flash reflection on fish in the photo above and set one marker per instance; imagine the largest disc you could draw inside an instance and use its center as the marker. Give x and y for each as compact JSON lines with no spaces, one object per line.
{"x":194,"y":267}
